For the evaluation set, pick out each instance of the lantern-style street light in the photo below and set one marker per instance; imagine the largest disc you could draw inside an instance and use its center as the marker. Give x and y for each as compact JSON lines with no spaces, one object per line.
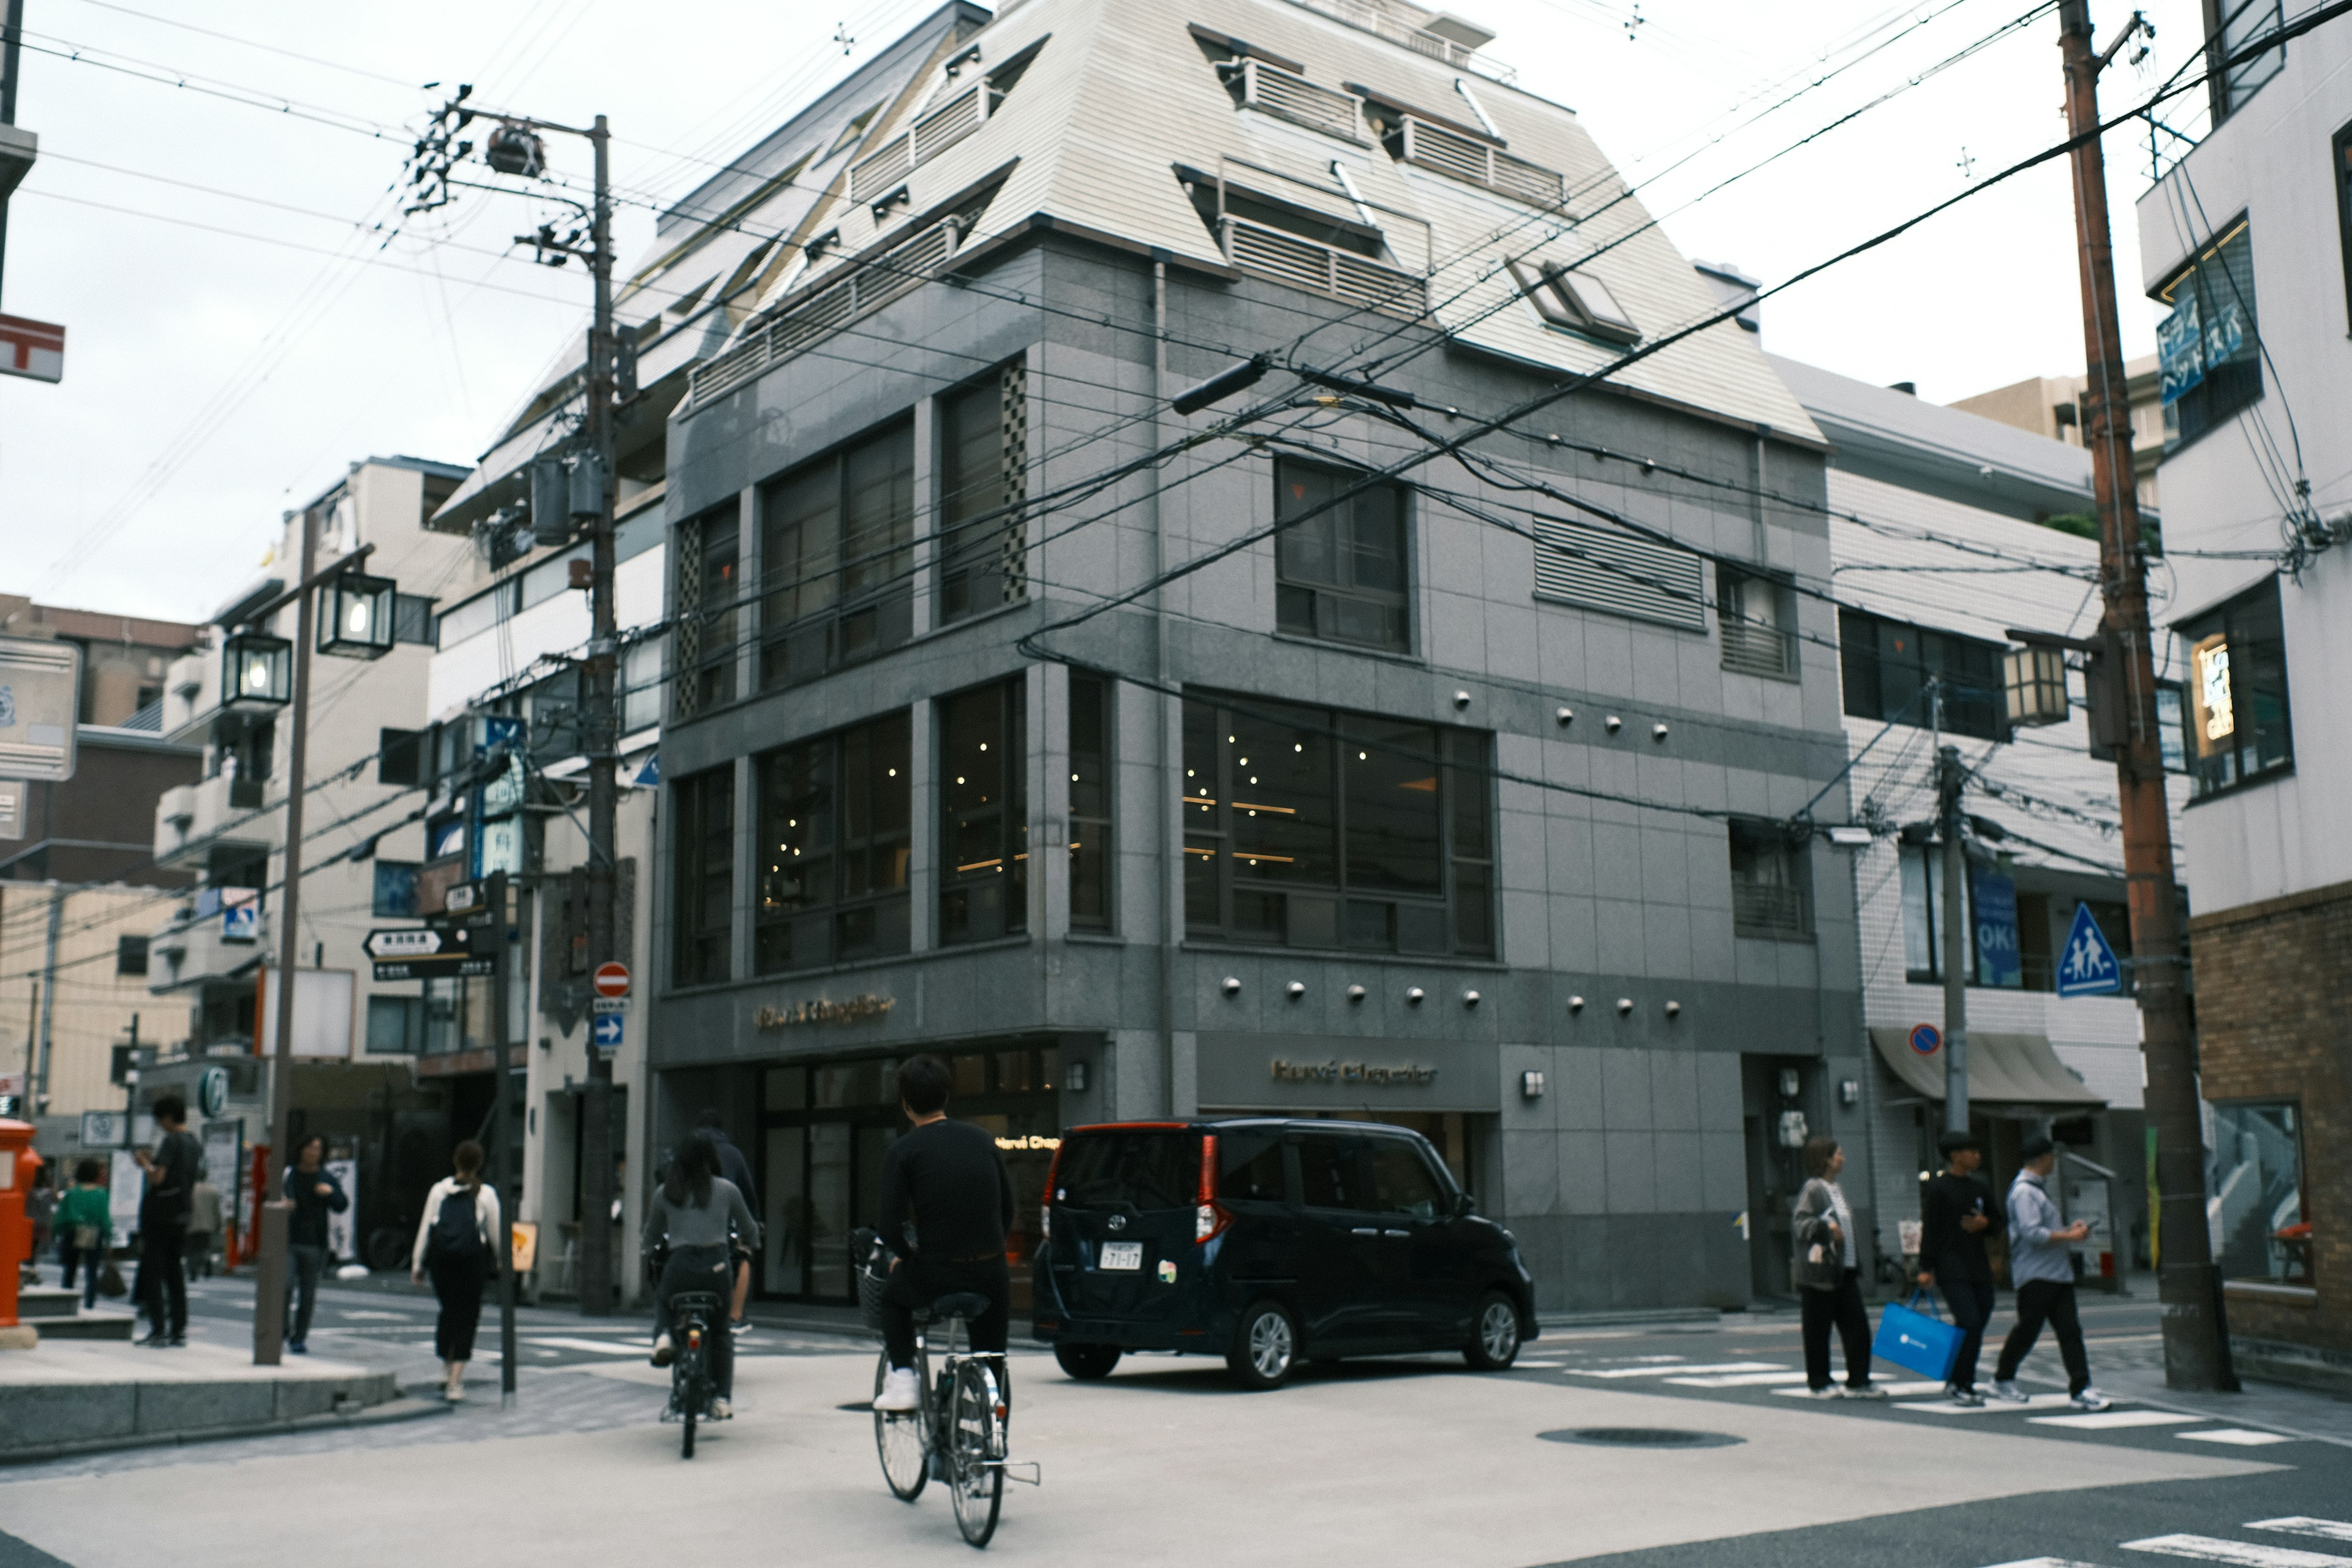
{"x":356,"y":618}
{"x":257,"y":672}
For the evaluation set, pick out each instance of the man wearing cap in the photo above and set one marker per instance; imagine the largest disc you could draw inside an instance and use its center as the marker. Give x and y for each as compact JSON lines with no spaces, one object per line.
{"x":1958,"y":1213}
{"x":2043,"y":1269}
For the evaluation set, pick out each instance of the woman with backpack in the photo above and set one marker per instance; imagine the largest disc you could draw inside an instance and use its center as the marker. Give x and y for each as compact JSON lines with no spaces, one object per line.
{"x":695,"y":1212}
{"x":456,"y":1244}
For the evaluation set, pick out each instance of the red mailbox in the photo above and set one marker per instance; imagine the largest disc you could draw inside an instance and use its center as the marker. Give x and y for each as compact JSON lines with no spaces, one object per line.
{"x":18,"y":1164}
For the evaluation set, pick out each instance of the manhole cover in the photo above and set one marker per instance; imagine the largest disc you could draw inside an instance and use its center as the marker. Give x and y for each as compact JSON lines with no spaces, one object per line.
{"x":1639,"y":1437}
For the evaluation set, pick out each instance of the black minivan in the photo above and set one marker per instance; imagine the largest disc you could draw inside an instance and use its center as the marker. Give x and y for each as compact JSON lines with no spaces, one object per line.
{"x":1267,"y":1240}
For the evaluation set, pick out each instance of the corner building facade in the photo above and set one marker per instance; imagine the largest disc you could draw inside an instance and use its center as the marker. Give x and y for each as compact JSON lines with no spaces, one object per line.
{"x":1260,"y":758}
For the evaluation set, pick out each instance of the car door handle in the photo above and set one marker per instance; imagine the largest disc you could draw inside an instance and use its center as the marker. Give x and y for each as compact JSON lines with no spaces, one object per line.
{"x":1404,"y":1233}
{"x":1365,"y":1230}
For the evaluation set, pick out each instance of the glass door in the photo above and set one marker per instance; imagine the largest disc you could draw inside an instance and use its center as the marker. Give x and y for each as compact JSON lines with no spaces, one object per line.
{"x":829,"y":1209}
{"x":787,"y":1219}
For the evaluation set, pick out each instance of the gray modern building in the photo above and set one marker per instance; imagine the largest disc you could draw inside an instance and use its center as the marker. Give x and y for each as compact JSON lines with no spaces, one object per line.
{"x":1273,"y":755}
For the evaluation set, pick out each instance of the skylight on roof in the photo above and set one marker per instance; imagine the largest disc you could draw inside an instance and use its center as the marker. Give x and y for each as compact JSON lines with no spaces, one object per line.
{"x":1575,"y":300}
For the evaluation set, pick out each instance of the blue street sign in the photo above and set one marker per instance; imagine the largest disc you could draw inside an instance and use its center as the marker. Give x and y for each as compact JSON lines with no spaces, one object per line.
{"x":1926,"y":1039}
{"x":2088,"y":966}
{"x":651,"y":772}
{"x":605,"y":1031}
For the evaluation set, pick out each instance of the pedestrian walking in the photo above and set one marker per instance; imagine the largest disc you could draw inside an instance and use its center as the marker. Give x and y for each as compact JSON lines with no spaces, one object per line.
{"x":696,"y":1211}
{"x":737,"y":1169}
{"x":41,"y":1209}
{"x":2041,"y":1267}
{"x":85,"y":1221}
{"x":1830,"y":1279}
{"x":173,"y":1172}
{"x":455,"y":1245}
{"x":315,"y":1193}
{"x":1957,"y":1216}
{"x":203,"y":1228}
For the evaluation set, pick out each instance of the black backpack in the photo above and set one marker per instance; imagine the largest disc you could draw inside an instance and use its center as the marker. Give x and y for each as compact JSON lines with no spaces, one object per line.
{"x":456,"y":1235}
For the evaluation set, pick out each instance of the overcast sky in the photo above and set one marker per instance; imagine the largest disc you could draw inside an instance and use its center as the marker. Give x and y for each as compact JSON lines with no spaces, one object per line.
{"x":239,"y":331}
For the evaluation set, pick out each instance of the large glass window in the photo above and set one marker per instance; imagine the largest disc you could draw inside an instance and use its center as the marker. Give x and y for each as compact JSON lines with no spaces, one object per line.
{"x":2262,"y":1221}
{"x":2209,"y":348}
{"x":1090,"y":776}
{"x":984,"y":813}
{"x":1886,"y":663}
{"x":2230,"y":27}
{"x":2340,"y":155}
{"x":1340,"y":572}
{"x":983,"y":454}
{"x":2238,"y":722}
{"x":703,"y":918}
{"x":1323,"y":830}
{"x":835,"y":832}
{"x":708,"y":589}
{"x":837,"y":558}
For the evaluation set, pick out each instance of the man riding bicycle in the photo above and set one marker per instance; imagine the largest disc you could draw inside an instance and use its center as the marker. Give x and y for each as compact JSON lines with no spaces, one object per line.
{"x":695,"y":1210}
{"x":946,"y":1203}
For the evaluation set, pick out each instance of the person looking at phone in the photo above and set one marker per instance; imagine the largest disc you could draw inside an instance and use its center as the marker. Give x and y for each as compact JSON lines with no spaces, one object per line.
{"x":1959,"y":1214}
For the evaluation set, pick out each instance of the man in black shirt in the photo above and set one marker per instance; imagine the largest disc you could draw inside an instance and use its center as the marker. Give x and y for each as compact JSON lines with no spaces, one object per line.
{"x":1958,"y":1212}
{"x":737,"y":1169}
{"x":172,"y":1174}
{"x":946,"y":1203}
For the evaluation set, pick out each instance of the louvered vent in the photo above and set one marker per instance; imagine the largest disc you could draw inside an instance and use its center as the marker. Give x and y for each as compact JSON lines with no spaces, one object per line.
{"x":1611,"y":570}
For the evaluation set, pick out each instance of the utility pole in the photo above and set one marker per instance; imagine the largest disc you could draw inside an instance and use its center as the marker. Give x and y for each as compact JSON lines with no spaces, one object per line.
{"x":37,"y":1093}
{"x":273,"y":1212}
{"x":505,"y":1133}
{"x":1950,"y":777}
{"x":2195,"y":1346}
{"x":600,"y":738}
{"x":12,"y":34}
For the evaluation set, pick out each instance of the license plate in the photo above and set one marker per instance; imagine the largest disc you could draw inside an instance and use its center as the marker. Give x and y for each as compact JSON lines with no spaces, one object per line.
{"x":1122,"y":1255}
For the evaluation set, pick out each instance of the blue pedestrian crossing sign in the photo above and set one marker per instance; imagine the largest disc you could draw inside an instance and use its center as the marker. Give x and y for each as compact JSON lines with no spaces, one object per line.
{"x":604,"y":1032}
{"x":2088,"y":966}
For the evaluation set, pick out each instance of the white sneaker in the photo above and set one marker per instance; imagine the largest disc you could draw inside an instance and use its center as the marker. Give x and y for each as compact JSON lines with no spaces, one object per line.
{"x":2090,"y":1399}
{"x":665,"y":1352}
{"x":721,"y":1411}
{"x":1966,"y":1398}
{"x":2008,"y":1393}
{"x":901,"y":1390}
{"x":1864,"y":1391}
{"x":1827,"y":1391}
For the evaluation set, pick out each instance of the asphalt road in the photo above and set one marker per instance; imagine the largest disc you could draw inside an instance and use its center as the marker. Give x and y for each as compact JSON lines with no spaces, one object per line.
{"x":1400,"y":1460}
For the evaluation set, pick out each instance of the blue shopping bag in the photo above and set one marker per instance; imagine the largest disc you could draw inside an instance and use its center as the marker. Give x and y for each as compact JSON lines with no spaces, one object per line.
{"x":1910,"y":1338}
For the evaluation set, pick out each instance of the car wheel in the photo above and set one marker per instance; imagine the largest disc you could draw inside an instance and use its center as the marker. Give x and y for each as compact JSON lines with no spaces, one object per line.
{"x":1265,"y":1347}
{"x":1494,"y":1334}
{"x":1087,"y":1363}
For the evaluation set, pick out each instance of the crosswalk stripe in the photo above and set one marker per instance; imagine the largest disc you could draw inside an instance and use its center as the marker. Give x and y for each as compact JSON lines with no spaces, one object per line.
{"x":1989,"y":1407}
{"x":566,"y":1342}
{"x":2045,"y":1562}
{"x":1893,"y":1390}
{"x":2326,"y":1529}
{"x":1677,"y":1369}
{"x":2236,"y":1438}
{"x":1739,"y":1379}
{"x":2113,"y":1420}
{"x":2208,"y":1549}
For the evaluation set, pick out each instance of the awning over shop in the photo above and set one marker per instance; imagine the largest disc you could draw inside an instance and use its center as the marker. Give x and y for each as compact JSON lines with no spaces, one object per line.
{"x":2003,"y":1070}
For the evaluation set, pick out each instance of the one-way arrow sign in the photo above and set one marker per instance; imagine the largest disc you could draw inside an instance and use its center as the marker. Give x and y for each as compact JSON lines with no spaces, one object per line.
{"x":426,"y":953}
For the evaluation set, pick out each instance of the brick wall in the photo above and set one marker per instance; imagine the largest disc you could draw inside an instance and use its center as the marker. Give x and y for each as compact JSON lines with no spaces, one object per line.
{"x":2275,"y":1022}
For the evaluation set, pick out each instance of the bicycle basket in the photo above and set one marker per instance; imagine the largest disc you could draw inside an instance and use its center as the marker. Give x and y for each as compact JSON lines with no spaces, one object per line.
{"x":869,"y":1263}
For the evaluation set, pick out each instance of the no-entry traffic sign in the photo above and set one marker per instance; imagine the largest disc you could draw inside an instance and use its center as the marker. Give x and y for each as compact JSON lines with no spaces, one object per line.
{"x":612,"y":979}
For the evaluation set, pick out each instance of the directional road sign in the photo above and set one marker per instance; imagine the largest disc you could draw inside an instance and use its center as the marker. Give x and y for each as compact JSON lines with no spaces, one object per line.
{"x":2088,"y":967}
{"x":426,"y":953}
{"x":612,"y":979}
{"x":604,"y":1033}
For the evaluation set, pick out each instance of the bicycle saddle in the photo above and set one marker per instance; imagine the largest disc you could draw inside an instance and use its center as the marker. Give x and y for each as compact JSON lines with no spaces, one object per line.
{"x":965,"y":1304}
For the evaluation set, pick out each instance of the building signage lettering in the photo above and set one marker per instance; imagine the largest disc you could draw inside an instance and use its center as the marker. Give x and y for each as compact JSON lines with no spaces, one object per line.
{"x":1027,"y":1141}
{"x":1339,"y":1072}
{"x":857,"y":1009}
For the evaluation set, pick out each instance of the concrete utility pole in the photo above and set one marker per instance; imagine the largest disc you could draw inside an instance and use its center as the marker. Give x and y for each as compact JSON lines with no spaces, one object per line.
{"x":505,"y":1131}
{"x":600,"y":737}
{"x":2194,"y":1351}
{"x":12,"y":34}
{"x":1950,"y":777}
{"x":37,"y":1091}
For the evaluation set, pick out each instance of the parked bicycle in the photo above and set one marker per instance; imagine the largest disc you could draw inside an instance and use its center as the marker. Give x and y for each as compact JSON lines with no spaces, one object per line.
{"x":691,"y":1385}
{"x":959,"y":1433}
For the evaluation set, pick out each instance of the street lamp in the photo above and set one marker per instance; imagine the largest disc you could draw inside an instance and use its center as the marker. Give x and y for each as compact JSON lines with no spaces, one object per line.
{"x":2034,"y":679}
{"x":358,"y":619}
{"x":257,"y":672}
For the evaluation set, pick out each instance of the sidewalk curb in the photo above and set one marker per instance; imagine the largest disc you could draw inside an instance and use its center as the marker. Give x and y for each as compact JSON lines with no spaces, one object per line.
{"x":403,"y":1408}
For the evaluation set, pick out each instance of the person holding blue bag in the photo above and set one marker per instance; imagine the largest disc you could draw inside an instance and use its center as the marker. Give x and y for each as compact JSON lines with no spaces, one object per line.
{"x":1957,"y":1215}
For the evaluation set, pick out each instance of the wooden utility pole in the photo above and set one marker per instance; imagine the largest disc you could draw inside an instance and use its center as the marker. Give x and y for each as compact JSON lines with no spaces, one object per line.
{"x":2195,"y":1350}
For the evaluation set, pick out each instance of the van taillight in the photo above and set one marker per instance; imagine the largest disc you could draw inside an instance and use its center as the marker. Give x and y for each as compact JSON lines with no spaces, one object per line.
{"x":1209,"y":1218}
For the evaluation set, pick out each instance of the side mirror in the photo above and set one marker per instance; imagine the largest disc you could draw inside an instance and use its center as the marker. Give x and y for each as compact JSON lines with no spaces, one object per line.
{"x":1464,"y":1205}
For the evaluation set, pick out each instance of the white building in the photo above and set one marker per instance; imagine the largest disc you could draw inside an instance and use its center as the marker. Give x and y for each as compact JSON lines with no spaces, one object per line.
{"x":2247,"y":247}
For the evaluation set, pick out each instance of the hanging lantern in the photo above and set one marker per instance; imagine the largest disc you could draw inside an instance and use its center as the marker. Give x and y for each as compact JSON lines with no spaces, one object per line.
{"x":356,"y":616}
{"x":2034,"y":678}
{"x":257,"y":672}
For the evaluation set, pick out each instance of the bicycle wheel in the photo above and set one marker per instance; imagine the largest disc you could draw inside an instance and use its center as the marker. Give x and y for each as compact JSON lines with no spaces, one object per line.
{"x":689,"y":1388}
{"x":975,"y":1451}
{"x":902,"y":1442}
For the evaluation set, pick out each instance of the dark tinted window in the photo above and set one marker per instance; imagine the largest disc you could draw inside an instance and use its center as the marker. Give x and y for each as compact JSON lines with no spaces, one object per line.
{"x":1402,"y":1181}
{"x":1249,"y":1165}
{"x":1327,"y":1173}
{"x":984,"y":813}
{"x":1339,"y":567}
{"x":1155,"y":1170}
{"x":399,"y":759}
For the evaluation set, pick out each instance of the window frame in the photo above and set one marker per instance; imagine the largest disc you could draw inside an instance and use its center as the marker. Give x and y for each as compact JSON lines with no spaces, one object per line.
{"x":1732,"y":585}
{"x":2222,"y":623}
{"x":1752,"y":836}
{"x":890,"y":909}
{"x":400,"y":757}
{"x":957,"y":906}
{"x":964,"y":544}
{"x":702,"y":816}
{"x":1982,"y":716}
{"x":132,"y":957}
{"x":2221,"y":392}
{"x":379,"y":906}
{"x":1458,"y":922}
{"x":1339,"y":530}
{"x":810,"y":643}
{"x":1093,"y":843}
{"x":1575,"y":300}
{"x":2340,"y":159}
{"x":708,"y":634}
{"x":2296,"y":1130}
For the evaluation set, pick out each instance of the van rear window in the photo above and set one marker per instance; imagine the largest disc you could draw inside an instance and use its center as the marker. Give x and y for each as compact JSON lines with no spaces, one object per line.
{"x":1143,"y":1170}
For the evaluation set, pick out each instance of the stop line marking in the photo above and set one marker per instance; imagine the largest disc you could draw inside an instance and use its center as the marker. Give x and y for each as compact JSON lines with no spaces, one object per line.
{"x":2246,"y":1554}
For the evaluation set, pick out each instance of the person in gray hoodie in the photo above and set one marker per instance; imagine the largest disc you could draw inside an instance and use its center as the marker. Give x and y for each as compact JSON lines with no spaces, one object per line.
{"x":2043,"y":1269}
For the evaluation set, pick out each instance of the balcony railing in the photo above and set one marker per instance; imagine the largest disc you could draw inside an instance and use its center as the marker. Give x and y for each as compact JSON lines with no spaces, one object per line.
{"x":880,"y":172}
{"x":223,"y":811}
{"x":1481,"y":164}
{"x":1293,"y":98}
{"x":1320,"y":269}
{"x":1754,"y":647}
{"x":1766,"y":909}
{"x":1373,"y":18}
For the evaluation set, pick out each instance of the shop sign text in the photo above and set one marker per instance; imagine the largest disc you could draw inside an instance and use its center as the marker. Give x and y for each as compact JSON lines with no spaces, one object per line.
{"x":857,"y":1009}
{"x":1350,"y":1073}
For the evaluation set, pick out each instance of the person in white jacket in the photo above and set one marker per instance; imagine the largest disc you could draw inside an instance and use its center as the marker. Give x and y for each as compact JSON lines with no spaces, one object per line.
{"x":456,"y":1244}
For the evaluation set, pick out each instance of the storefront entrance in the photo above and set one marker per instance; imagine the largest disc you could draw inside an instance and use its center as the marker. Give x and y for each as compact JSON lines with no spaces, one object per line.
{"x":824,"y":1126}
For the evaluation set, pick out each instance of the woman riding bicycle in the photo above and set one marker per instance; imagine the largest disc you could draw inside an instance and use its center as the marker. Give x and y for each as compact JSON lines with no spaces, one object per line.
{"x":694,"y":1208}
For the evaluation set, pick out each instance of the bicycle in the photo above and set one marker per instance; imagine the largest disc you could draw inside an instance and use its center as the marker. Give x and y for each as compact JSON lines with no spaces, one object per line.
{"x":691,"y":1389}
{"x":959,"y":1434}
